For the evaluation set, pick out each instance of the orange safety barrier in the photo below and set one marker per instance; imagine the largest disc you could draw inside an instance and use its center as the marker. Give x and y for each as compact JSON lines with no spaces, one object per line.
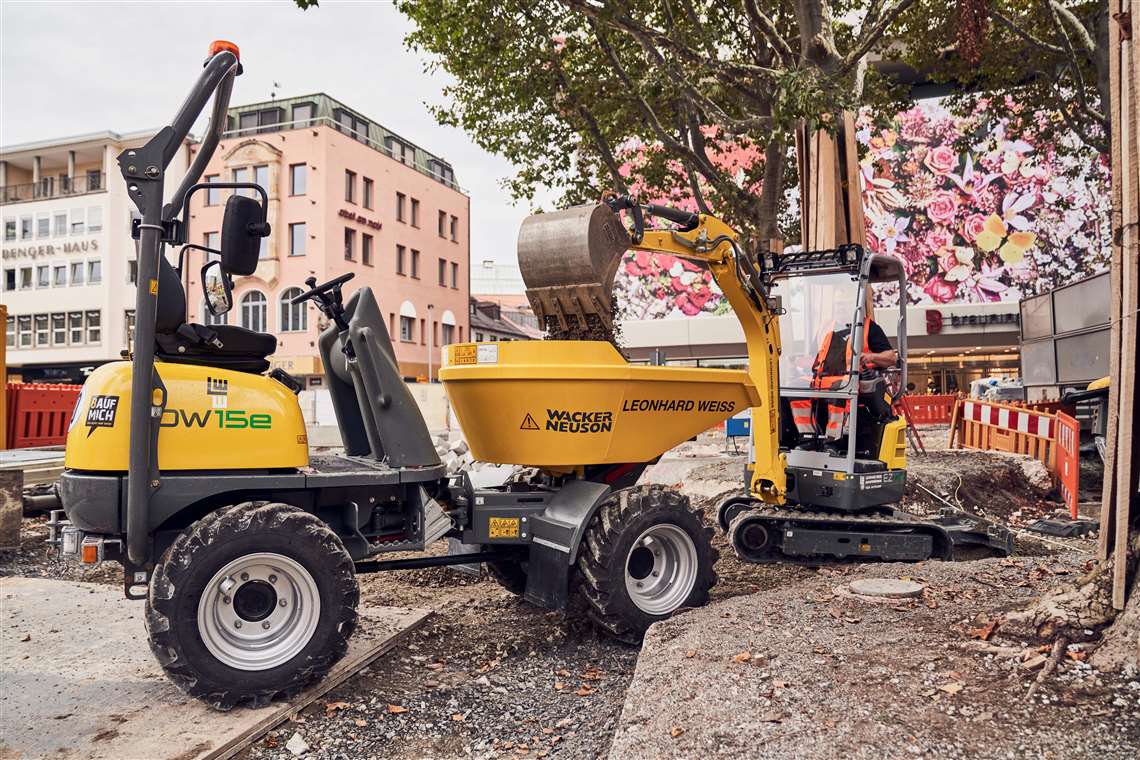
{"x":1068,"y":470}
{"x":38,"y":414}
{"x":993,"y":426}
{"x":929,"y":410}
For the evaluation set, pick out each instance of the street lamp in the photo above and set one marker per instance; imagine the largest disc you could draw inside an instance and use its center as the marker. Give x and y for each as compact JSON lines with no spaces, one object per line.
{"x":430,"y":335}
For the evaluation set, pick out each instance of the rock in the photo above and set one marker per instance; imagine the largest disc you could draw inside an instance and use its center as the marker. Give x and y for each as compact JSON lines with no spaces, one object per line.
{"x":297,"y":745}
{"x":891,"y":588}
{"x":458,"y":447}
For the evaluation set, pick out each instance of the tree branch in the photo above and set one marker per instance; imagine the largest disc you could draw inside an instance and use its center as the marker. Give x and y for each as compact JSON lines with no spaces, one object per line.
{"x":1025,"y":34}
{"x":767,"y":28}
{"x":1079,"y":29}
{"x":869,"y":38}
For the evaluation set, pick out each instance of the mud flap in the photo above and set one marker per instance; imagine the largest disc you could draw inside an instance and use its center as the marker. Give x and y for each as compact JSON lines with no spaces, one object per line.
{"x":555,"y":537}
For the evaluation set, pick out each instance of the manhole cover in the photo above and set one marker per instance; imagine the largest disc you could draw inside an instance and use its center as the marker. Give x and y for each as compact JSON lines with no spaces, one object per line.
{"x":892,"y":588}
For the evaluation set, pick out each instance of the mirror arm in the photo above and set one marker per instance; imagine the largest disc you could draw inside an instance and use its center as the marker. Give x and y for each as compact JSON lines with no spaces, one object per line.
{"x":185,"y":228}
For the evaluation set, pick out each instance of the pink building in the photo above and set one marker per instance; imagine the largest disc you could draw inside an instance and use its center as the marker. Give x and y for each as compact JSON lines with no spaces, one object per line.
{"x":345,"y":195}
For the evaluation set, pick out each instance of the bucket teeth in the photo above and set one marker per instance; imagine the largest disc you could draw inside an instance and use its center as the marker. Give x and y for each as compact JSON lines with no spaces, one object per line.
{"x":568,"y":260}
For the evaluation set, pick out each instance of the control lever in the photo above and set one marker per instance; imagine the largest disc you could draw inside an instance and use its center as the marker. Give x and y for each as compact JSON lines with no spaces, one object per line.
{"x":330,"y":301}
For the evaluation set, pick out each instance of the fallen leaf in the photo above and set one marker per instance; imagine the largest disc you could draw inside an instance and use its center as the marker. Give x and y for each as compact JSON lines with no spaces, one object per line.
{"x":585,"y":691}
{"x":332,"y":707}
{"x":691,"y":654}
{"x":562,"y":672}
{"x":559,"y":686}
{"x":592,"y":674}
{"x":396,"y":709}
{"x":1079,"y":655}
{"x":271,"y":741}
{"x":984,"y":632}
{"x":459,"y":717}
{"x":951,"y":688}
{"x":676,"y":731}
{"x":435,"y":666}
{"x":360,"y":722}
{"x":742,"y":657}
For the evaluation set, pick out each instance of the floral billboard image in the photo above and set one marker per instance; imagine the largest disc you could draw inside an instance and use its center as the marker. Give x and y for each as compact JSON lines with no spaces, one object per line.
{"x":976,"y":215}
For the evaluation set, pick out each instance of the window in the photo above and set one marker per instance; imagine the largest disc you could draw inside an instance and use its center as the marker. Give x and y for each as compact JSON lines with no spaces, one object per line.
{"x":77,"y":273}
{"x":59,"y":329}
{"x":298,"y":179}
{"x":442,"y":271}
{"x":132,"y":271}
{"x":294,"y":317}
{"x":10,"y":229}
{"x":254,"y":311}
{"x":24,"y":330}
{"x":407,"y":327}
{"x":478,"y":337}
{"x":94,"y":180}
{"x":366,"y":249}
{"x":43,"y":334}
{"x":455,"y":229}
{"x":59,"y":276}
{"x":212,"y":240}
{"x":400,"y":250}
{"x":10,"y":333}
{"x":261,"y":179}
{"x":349,"y":244}
{"x":94,"y":218}
{"x":43,"y":276}
{"x":441,"y":223}
{"x":43,"y":225}
{"x":367,"y":193}
{"x":77,"y":221}
{"x":441,"y":171}
{"x":454,"y":275}
{"x":415,"y":213}
{"x":400,"y":150}
{"x":94,"y":271}
{"x":213,"y":197}
{"x":75,"y":327}
{"x":448,"y":334}
{"x":303,"y":114}
{"x":350,"y":186}
{"x":423,"y":331}
{"x":9,"y":279}
{"x":25,"y":228}
{"x":212,"y":319}
{"x":351,"y":124}
{"x":60,"y":227}
{"x":247,"y":123}
{"x":297,"y":239}
{"x":25,"y":278}
{"x":241,"y":175}
{"x":94,"y":327}
{"x":129,"y":327}
{"x":266,"y":120}
{"x":415,"y":264}
{"x":400,"y":202}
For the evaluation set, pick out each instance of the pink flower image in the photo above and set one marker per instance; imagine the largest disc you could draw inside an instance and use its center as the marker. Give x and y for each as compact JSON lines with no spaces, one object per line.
{"x":942,"y":207}
{"x":939,"y":290}
{"x":941,"y":160}
{"x":973,"y":225}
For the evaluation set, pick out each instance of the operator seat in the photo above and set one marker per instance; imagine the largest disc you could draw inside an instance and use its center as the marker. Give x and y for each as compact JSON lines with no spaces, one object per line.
{"x":225,"y":346}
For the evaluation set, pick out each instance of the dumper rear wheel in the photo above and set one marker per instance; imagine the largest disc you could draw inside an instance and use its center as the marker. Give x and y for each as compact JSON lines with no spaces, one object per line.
{"x":645,"y":555}
{"x":251,"y":603}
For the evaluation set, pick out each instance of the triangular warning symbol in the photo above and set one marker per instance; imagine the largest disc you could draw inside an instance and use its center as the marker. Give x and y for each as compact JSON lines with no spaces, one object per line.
{"x":528,"y":423}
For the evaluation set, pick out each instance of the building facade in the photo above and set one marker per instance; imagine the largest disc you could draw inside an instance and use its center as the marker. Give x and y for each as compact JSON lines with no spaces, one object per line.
{"x":493,"y":321}
{"x":345,"y":195}
{"x":67,"y":254}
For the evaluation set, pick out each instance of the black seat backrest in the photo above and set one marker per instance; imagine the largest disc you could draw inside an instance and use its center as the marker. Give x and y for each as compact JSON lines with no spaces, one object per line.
{"x":171,"y":299}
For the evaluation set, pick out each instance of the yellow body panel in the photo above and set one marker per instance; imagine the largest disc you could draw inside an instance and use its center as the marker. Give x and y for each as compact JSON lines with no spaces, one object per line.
{"x":564,"y":404}
{"x":1096,"y":385}
{"x":215,"y":419}
{"x":892,"y":450}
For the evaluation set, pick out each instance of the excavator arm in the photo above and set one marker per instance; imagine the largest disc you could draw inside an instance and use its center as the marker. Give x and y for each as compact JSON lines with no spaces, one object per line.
{"x":568,"y":261}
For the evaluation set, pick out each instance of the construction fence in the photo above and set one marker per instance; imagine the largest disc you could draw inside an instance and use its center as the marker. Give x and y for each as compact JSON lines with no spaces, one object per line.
{"x":38,"y":414}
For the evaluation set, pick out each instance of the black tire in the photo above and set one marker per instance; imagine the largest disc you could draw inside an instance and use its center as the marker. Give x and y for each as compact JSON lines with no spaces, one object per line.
{"x":608,"y":542}
{"x":207,"y":546}
{"x":729,"y":507}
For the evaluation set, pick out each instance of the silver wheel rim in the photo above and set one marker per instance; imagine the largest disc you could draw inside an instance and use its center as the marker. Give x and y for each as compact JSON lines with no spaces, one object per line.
{"x":259,"y":611}
{"x":661,"y":569}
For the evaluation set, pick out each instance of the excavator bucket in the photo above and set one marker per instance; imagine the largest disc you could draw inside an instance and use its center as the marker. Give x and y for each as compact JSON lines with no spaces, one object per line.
{"x":568,"y":260}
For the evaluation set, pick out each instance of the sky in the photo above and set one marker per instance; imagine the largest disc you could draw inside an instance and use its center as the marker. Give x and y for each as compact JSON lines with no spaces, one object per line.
{"x":72,"y":67}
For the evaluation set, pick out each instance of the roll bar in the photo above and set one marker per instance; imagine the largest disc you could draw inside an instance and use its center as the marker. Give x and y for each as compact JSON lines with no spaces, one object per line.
{"x":144,"y":170}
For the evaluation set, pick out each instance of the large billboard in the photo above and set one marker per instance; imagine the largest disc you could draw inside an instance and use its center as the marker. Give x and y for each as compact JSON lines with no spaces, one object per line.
{"x":976,"y":212}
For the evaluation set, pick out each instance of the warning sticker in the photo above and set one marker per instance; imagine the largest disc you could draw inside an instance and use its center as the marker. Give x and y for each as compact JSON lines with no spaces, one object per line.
{"x":463,"y":354}
{"x":503,"y":527}
{"x":528,"y":423}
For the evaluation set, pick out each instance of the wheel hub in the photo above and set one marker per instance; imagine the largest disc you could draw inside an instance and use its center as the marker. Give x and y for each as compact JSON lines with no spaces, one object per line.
{"x":259,"y":611}
{"x":661,"y":569}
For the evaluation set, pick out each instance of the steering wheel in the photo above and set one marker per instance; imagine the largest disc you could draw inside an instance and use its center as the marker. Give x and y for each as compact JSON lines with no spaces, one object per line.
{"x":320,"y":292}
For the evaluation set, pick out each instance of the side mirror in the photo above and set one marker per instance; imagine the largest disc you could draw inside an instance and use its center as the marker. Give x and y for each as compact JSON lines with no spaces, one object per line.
{"x":217,"y":288}
{"x":243,"y":227}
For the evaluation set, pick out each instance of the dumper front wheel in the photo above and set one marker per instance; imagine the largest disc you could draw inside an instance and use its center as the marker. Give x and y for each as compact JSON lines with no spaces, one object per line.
{"x":645,"y":555}
{"x":251,"y":603}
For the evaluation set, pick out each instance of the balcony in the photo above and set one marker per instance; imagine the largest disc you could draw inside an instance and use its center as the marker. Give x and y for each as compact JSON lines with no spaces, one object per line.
{"x":53,"y":187}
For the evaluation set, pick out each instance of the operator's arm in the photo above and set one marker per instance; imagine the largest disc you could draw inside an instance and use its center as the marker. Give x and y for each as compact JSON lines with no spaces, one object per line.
{"x":878,"y":352}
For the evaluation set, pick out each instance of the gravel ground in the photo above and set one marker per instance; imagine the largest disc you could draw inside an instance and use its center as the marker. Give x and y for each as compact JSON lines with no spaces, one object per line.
{"x":803,"y":671}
